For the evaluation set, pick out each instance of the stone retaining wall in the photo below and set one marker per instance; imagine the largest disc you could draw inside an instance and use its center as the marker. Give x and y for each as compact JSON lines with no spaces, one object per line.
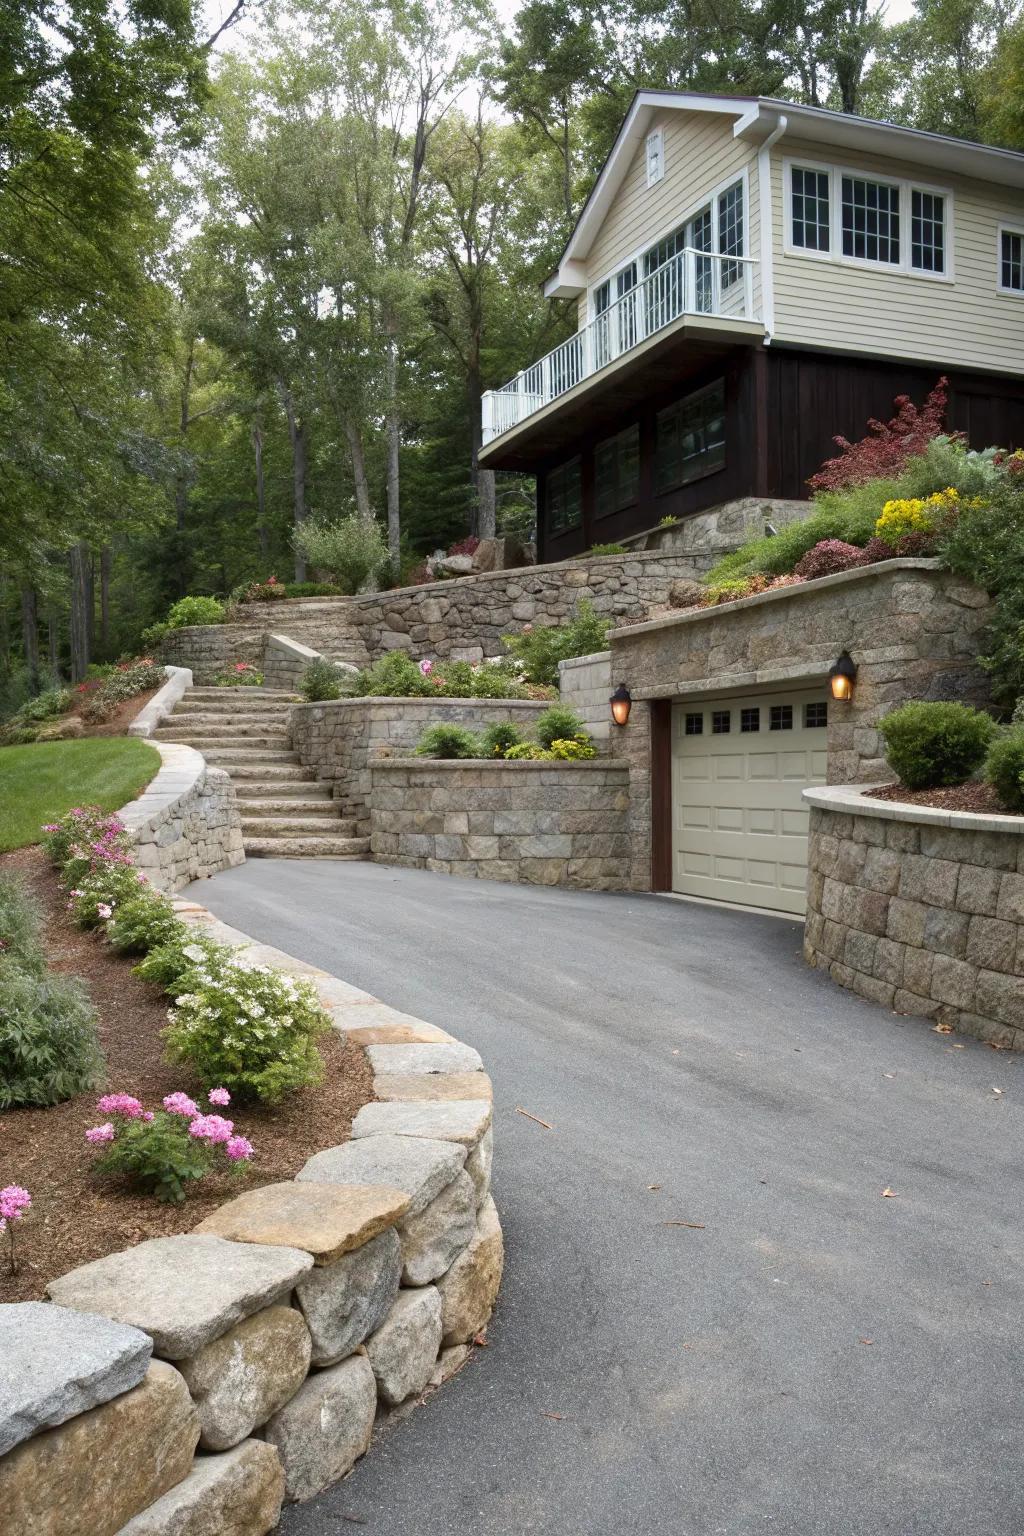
{"x":920,"y":910}
{"x":190,"y":1384}
{"x":585,"y":685}
{"x":341,"y":738}
{"x":185,"y":825}
{"x":709,"y":535}
{"x":285,"y":662}
{"x":541,"y":823}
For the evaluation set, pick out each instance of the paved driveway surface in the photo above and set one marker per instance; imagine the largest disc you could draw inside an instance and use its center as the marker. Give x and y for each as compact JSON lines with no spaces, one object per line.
{"x":815,"y":1359}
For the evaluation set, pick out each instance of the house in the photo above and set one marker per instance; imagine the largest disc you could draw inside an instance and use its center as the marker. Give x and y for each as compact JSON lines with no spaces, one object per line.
{"x":752,"y":278}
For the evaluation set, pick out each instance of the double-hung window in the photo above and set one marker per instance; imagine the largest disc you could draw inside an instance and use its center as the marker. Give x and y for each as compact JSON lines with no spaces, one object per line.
{"x":1011,"y":261}
{"x":841,"y":215}
{"x":690,"y":438}
{"x":871,"y":220}
{"x":811,"y":209}
{"x":927,"y":231}
{"x":730,"y":233}
{"x":564,"y":498}
{"x":617,"y":471}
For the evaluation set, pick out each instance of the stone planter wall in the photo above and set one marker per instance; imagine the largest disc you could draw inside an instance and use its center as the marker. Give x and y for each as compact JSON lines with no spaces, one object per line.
{"x":913,"y":629}
{"x":585,"y":685}
{"x":342,"y":738}
{"x":710,"y":535}
{"x":190,"y":1384}
{"x":185,"y":825}
{"x":920,"y":910}
{"x":541,"y":823}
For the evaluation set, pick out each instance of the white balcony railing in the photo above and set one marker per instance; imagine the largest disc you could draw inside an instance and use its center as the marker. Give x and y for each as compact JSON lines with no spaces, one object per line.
{"x":690,"y":283}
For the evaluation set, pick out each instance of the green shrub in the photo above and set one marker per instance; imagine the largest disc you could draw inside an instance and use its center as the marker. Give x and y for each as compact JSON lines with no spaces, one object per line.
{"x":46,"y":705}
{"x":145,"y":922}
{"x":499,"y":738}
{"x":253,"y":1031}
{"x":168,"y":964}
{"x":934,"y":744}
{"x":541,"y":648}
{"x":394,"y":675}
{"x":448,"y":741}
{"x":352,"y":550}
{"x":558,"y":724}
{"x":19,"y":927}
{"x":122,"y":682}
{"x":528,"y":752}
{"x":49,"y":1049}
{"x":986,"y":547}
{"x":1004,"y":768}
{"x":607,"y":549}
{"x":239,"y":674}
{"x":321,"y":680}
{"x":152,"y":635}
{"x":312,"y":589}
{"x":576,"y":749}
{"x":195,"y":610}
{"x":158,"y":1155}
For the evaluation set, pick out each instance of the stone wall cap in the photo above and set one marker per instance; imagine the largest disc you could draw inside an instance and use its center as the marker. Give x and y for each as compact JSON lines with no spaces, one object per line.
{"x":569,"y":662}
{"x":778,"y":594}
{"x":500,"y":764}
{"x":521,"y":573}
{"x":325,"y":1220}
{"x":853,"y":799}
{"x":428,"y":702}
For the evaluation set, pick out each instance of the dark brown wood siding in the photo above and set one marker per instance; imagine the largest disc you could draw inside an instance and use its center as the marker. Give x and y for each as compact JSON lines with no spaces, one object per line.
{"x":784,"y":409}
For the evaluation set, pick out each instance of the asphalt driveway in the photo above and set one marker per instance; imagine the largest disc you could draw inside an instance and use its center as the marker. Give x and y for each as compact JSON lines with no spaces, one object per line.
{"x":810,"y":1357}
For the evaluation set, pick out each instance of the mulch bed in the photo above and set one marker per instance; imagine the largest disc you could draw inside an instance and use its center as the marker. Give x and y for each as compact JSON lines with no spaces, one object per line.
{"x":981,"y":798}
{"x":119,"y":721}
{"x":75,"y":1216}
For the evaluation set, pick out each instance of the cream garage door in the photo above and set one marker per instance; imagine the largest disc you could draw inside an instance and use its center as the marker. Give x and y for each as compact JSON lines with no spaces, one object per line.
{"x":739,"y":825}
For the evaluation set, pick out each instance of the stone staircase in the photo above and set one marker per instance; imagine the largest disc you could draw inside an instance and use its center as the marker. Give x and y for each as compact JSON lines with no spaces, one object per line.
{"x":285,"y":812}
{"x":322,"y":623}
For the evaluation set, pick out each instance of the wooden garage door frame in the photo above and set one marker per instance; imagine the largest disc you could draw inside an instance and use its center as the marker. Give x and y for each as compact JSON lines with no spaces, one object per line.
{"x":799,"y":692}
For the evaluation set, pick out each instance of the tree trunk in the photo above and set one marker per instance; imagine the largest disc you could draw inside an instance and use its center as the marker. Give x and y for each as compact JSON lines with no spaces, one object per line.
{"x":78,"y":561}
{"x":106,"y":566}
{"x":297,"y":435}
{"x":261,"y":495}
{"x":354,"y":438}
{"x":30,"y":635}
{"x":53,"y":643}
{"x":393,"y":440}
{"x":90,"y":602}
{"x":482,"y":480}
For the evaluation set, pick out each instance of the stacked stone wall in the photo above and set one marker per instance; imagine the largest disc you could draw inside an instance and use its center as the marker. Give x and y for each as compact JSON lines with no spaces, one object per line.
{"x":920,"y":911}
{"x":185,"y":825}
{"x":585,"y":685}
{"x":540,"y":823}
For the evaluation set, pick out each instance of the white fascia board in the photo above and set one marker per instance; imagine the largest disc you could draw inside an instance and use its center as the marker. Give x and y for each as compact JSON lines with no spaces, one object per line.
{"x":568,"y":282}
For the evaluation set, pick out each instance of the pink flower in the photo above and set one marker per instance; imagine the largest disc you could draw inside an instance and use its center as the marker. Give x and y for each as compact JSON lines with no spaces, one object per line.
{"x":180,"y":1104}
{"x":212,"y":1128}
{"x":100,"y":1133}
{"x":104,"y":909}
{"x":50,"y":826}
{"x":120,"y":1104}
{"x":219,"y":1096}
{"x":238,"y":1149}
{"x":13,"y":1201}
{"x":426,"y":666}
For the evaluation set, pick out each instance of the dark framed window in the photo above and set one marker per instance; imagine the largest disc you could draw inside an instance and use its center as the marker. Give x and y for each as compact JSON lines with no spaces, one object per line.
{"x":815,"y":715}
{"x":617,"y":471}
{"x":721,"y":722}
{"x":871,"y":220}
{"x":689,"y":438}
{"x":927,"y":231}
{"x":810,"y":206}
{"x":750,"y":720}
{"x":780,"y":717}
{"x":1011,"y":260}
{"x":694,"y":725}
{"x":564,"y":497}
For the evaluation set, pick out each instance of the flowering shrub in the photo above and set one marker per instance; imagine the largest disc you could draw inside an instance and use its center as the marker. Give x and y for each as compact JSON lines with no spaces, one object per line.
{"x":77,"y":830}
{"x":253,"y":1030}
{"x":262,"y":591}
{"x":165,"y":1150}
{"x":905,"y":516}
{"x":396,"y":675}
{"x":827,"y":558}
{"x":240,"y":674}
{"x":125,"y":680}
{"x":146,"y":921}
{"x":887,"y":446}
{"x":167,"y":965}
{"x":14,"y":1202}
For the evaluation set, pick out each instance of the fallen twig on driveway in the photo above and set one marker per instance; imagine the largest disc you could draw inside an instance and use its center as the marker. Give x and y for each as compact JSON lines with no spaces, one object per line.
{"x":526,"y":1112}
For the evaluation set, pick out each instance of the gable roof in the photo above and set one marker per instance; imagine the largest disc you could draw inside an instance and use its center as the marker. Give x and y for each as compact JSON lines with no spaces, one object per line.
{"x":754,"y":118}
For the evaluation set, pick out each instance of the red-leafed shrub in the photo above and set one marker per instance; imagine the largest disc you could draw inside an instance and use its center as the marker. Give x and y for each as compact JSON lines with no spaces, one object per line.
{"x":828,"y":557}
{"x":466,"y":546}
{"x":884,"y":451}
{"x":910,"y":545}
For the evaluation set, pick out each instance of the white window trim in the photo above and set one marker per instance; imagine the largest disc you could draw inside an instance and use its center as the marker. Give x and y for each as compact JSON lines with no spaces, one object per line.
{"x":677,"y":221}
{"x":1006,"y":229}
{"x":657,"y":138}
{"x":835,"y":174}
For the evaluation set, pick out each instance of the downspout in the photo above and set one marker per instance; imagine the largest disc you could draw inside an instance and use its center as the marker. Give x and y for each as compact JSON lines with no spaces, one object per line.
{"x":764,"y":192}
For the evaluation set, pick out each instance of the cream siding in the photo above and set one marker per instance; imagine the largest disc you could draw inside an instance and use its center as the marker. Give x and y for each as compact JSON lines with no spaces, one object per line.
{"x":963,"y":321}
{"x":701,"y":155}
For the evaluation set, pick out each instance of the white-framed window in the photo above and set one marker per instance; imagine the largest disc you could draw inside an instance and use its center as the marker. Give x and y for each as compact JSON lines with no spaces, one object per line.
{"x":730,"y":232}
{"x":655,"y":157}
{"x":837,"y":214}
{"x":1011,"y":261}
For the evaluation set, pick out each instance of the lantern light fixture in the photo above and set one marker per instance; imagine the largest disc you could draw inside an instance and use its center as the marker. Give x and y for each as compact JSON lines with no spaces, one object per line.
{"x":842,"y":676}
{"x":621,"y":701}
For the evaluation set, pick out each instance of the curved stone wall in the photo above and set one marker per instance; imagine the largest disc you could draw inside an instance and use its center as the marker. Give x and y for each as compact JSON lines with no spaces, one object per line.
{"x":919,"y":909}
{"x":185,"y":825}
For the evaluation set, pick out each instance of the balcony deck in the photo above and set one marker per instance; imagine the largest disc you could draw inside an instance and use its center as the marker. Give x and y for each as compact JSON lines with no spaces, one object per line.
{"x":696,"y":304}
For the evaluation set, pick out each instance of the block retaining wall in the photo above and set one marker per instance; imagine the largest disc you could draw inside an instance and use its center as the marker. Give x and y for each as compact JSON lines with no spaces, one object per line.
{"x":920,"y":910}
{"x":185,"y":825}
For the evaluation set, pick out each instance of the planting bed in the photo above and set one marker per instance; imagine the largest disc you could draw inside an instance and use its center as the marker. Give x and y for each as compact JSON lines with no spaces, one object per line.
{"x":75,"y":1216}
{"x":974,"y":796}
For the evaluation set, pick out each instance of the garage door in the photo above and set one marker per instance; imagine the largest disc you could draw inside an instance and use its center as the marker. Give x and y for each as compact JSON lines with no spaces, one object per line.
{"x":739,"y":825}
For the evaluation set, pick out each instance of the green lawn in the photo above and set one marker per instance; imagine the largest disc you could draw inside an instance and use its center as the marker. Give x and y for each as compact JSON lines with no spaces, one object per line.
{"x":41,"y":782}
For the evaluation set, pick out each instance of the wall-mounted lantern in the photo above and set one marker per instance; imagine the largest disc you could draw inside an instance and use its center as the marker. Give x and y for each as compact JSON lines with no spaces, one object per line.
{"x":621,"y":702}
{"x":842,"y":676}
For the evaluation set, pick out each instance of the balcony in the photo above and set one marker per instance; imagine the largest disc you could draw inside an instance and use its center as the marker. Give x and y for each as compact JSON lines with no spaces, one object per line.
{"x":690,"y":284}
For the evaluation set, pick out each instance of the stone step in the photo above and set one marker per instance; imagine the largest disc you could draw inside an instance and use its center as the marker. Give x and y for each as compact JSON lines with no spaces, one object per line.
{"x":271,"y":774}
{"x":295,"y":826}
{"x":298,"y":808}
{"x":205,"y":741}
{"x":308,"y":792}
{"x":238,"y":725}
{"x":226,"y":757}
{"x":306,"y":847}
{"x":211,"y":691}
{"x":270,"y":709}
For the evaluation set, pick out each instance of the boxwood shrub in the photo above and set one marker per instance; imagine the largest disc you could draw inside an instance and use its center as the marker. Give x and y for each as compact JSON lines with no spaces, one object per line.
{"x":930,"y":745}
